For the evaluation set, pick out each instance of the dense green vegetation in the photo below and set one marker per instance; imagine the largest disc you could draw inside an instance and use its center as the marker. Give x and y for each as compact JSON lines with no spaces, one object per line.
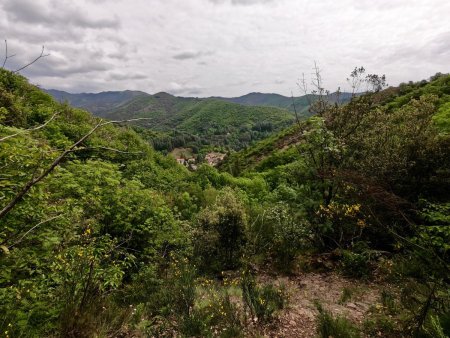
{"x":118,"y":240}
{"x":200,"y":124}
{"x":196,"y":123}
{"x":299,"y":104}
{"x":96,"y":103}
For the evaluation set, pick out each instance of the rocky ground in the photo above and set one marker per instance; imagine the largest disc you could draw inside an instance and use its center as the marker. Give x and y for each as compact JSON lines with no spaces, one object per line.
{"x":305,"y":290}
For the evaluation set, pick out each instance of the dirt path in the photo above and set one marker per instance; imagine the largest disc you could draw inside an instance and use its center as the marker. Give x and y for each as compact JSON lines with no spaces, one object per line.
{"x":298,"y":320}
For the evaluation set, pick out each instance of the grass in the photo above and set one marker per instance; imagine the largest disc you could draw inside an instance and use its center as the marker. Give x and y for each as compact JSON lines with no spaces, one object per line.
{"x":334,"y":326}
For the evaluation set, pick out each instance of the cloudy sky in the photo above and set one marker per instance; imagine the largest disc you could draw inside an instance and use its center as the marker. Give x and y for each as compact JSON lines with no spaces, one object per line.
{"x":222,"y":47}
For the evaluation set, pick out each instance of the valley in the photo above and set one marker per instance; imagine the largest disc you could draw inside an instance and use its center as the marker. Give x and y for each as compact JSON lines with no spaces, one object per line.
{"x":301,"y":228}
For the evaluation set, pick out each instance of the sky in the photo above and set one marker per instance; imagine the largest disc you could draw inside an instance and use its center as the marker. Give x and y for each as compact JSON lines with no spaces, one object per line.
{"x":222,"y":47}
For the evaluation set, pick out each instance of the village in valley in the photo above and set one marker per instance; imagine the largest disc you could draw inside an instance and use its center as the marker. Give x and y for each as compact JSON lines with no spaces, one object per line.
{"x":186,"y":157}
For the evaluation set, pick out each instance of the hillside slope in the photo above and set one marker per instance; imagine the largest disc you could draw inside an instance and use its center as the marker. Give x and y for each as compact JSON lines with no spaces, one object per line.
{"x":117,"y":240}
{"x":215,"y":122}
{"x":96,"y":103}
{"x":298,"y":103}
{"x":279,"y":149}
{"x":201,"y":122}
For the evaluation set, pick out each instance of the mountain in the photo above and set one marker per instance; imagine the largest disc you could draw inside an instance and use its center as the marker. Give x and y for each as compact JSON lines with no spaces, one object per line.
{"x":96,"y":103}
{"x":198,"y":122}
{"x":103,"y":102}
{"x":201,"y":121}
{"x":299,"y":103}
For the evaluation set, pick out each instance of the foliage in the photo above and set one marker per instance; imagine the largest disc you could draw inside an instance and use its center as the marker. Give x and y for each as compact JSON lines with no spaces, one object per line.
{"x":220,"y":234}
{"x":118,"y":239}
{"x":334,"y":326}
{"x":261,"y":301}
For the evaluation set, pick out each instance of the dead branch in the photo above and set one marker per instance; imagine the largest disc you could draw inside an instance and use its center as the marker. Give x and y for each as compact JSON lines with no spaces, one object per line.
{"x":295,"y":109}
{"x":42,"y":55}
{"x":6,"y":54}
{"x":30,"y":129}
{"x":24,"y":190}
{"x":108,"y":149}
{"x":34,"y":227}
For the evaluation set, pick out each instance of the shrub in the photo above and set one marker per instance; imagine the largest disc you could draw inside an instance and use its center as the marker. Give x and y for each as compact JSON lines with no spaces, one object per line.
{"x":336,"y":327}
{"x":380,"y":326}
{"x":355,"y":264}
{"x":347,"y":294}
{"x":220,"y":235}
{"x":261,"y":301}
{"x":218,"y":316}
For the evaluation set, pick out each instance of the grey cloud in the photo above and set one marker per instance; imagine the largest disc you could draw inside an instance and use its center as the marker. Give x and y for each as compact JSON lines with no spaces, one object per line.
{"x":126,"y":76}
{"x":441,"y":44}
{"x":176,"y":88}
{"x":187,"y":55}
{"x":48,"y":68}
{"x":65,"y":63}
{"x":437,"y":49}
{"x":110,"y":45}
{"x":56,"y":13}
{"x":241,"y":2}
{"x":118,"y":55}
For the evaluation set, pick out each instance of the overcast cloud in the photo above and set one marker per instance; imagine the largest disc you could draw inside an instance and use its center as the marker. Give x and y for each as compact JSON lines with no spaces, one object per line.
{"x":222,"y":47}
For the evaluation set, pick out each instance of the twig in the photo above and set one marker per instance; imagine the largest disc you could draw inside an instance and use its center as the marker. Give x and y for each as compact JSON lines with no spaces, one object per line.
{"x":42,"y":55}
{"x":6,"y":54}
{"x":31,"y":129}
{"x":34,"y":227}
{"x":109,"y":149}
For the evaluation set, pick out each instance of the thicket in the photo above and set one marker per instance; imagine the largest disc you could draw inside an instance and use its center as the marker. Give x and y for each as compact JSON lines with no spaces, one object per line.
{"x":119,"y":239}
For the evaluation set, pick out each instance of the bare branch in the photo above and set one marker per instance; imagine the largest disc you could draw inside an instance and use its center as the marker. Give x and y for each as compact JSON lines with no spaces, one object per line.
{"x":295,"y":109}
{"x":42,"y":55}
{"x":34,"y":227}
{"x":31,"y":129}
{"x":19,"y":196}
{"x":109,"y":149}
{"x":6,"y":54}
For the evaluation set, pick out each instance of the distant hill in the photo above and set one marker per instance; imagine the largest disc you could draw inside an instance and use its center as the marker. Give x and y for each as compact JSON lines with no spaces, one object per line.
{"x":193,"y":122}
{"x":302,"y":103}
{"x":232,"y":123}
{"x":198,"y":122}
{"x":96,"y":103}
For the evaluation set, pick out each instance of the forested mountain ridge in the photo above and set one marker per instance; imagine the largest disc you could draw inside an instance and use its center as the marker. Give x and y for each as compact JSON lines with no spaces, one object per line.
{"x":296,"y":103}
{"x":111,"y":238}
{"x":201,"y":122}
{"x":96,"y":103}
{"x":101,"y":103}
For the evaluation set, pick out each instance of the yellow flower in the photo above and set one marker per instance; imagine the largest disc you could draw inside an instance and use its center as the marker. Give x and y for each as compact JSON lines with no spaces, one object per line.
{"x":361,"y":223}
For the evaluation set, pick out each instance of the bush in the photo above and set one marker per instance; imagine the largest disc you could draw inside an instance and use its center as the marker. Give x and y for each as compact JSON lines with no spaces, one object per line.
{"x":355,"y":264}
{"x":262,"y":301}
{"x":220,"y":235}
{"x":336,"y":327}
{"x":380,"y":326}
{"x":218,"y":316}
